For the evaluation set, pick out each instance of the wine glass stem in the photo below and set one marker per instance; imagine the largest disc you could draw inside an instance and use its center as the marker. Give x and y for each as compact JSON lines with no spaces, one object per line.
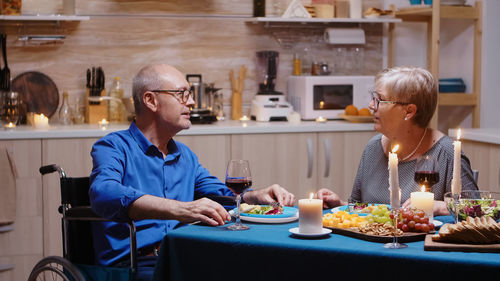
{"x":238,"y":200}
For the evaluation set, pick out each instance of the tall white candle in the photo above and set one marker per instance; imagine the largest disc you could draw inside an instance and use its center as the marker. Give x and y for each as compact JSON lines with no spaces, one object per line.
{"x":423,"y":201}
{"x":456,"y":182}
{"x":394,"y":179}
{"x":310,"y":215}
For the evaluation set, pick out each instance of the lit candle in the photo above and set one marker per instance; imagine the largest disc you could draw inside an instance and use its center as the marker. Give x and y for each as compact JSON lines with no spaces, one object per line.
{"x":244,"y":118}
{"x":456,"y":182}
{"x":310,"y":215}
{"x":103,"y":123}
{"x":423,"y":201}
{"x":40,"y":121}
{"x":394,"y":179}
{"x":321,"y":119}
{"x":10,"y":126}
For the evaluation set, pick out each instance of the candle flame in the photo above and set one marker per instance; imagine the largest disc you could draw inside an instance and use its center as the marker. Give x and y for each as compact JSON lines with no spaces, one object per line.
{"x":311,"y":195}
{"x":422,"y":188}
{"x":11,"y":124}
{"x":41,"y":115}
{"x":458,"y":134}
{"x":103,"y":120}
{"x":395,"y":148}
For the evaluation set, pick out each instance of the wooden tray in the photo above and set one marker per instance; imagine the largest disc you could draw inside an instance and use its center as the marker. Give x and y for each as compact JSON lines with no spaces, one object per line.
{"x":430,"y":245}
{"x":405,"y":238}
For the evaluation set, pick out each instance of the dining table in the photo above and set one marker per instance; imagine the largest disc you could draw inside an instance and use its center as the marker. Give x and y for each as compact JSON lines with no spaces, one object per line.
{"x":271,"y":252}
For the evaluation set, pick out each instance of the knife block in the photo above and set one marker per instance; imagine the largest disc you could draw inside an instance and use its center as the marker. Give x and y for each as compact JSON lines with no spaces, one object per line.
{"x":96,"y":111}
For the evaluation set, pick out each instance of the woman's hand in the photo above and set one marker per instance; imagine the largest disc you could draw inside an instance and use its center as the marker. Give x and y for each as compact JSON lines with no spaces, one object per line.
{"x":273,"y":193}
{"x":330,"y":199}
{"x":438,"y":210}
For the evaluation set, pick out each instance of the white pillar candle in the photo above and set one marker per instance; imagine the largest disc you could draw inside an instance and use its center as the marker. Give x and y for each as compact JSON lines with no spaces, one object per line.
{"x":423,"y":201}
{"x":394,"y":179}
{"x":456,"y":182}
{"x":310,"y":215}
{"x":40,"y":121}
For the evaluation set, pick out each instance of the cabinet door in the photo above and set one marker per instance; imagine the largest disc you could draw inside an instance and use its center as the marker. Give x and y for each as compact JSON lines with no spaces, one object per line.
{"x":494,"y":171}
{"x":73,"y":155}
{"x":479,"y":156}
{"x":23,"y":246}
{"x":285,"y":159}
{"x":338,"y":159}
{"x":212,"y":151}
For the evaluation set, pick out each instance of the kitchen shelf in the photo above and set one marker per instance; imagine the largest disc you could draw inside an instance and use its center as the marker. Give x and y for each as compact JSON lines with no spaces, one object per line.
{"x":323,"y":20}
{"x":44,"y":18}
{"x":432,"y":15}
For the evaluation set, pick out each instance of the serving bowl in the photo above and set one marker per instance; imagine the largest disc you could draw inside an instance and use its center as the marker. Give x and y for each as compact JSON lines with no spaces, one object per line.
{"x":474,"y":203}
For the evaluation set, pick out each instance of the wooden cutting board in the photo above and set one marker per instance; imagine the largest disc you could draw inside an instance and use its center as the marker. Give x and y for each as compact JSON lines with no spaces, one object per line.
{"x":405,"y":238}
{"x":38,"y":93}
{"x":430,"y":245}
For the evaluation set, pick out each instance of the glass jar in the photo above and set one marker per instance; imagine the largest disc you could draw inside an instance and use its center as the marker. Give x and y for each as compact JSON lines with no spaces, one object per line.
{"x":11,"y":107}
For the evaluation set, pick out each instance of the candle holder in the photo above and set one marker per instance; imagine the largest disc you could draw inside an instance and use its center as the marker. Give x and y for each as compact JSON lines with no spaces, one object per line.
{"x":103,"y":124}
{"x":395,"y":244}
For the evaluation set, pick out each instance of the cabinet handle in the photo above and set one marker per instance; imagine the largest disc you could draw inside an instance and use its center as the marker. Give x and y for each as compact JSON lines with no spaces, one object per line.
{"x":327,"y":158}
{"x":309,"y":158}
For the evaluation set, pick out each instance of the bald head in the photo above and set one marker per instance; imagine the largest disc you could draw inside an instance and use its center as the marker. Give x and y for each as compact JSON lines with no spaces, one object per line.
{"x":154,"y":77}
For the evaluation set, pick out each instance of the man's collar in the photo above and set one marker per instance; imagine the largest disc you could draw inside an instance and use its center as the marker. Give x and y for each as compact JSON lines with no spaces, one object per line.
{"x":146,"y":145}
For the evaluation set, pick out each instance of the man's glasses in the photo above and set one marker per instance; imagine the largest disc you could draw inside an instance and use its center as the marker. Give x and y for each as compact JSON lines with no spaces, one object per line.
{"x":181,"y":95}
{"x":377,"y":101}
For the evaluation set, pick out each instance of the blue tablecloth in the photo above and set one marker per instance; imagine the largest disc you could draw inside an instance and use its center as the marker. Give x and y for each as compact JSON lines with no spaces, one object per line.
{"x":197,"y":252}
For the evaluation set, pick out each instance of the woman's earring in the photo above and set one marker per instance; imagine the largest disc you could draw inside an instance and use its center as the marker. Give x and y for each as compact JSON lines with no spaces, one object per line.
{"x":406,"y":118}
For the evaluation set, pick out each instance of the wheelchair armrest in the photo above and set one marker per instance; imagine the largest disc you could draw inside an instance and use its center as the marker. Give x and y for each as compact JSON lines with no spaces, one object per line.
{"x":83,"y":213}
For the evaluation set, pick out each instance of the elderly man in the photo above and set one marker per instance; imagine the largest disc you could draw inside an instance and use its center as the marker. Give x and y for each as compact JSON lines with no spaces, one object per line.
{"x":143,"y":174}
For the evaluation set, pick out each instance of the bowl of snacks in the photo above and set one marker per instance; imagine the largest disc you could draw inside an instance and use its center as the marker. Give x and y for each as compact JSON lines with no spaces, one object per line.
{"x":474,"y":203}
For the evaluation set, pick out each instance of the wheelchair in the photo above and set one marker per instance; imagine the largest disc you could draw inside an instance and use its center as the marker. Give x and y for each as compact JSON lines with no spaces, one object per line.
{"x":77,"y":263}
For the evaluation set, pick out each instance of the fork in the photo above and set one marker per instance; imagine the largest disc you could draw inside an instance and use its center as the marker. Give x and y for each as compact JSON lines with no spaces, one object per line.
{"x":275,"y":204}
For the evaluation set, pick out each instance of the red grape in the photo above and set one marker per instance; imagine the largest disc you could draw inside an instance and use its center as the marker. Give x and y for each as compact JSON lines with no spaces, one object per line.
{"x":405,"y":228}
{"x":416,"y":218}
{"x":424,"y":220}
{"x":420,"y":213}
{"x":391,"y":216}
{"x":431,"y":226}
{"x":418,"y":226}
{"x":425,"y":228}
{"x":400,"y":225}
{"x":411,"y":224}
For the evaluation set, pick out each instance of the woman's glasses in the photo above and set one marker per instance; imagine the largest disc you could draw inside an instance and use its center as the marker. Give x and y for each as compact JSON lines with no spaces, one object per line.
{"x":181,"y":95}
{"x":377,"y":101}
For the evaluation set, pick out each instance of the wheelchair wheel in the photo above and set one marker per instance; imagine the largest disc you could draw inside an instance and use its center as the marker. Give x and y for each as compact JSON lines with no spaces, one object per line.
{"x":55,"y":268}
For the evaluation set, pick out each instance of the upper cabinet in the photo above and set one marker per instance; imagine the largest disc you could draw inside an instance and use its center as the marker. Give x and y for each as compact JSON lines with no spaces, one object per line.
{"x":432,"y":16}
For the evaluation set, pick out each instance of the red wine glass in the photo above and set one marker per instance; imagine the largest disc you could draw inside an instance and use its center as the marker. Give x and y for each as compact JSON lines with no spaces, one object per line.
{"x":238,"y":180}
{"x":426,"y":172}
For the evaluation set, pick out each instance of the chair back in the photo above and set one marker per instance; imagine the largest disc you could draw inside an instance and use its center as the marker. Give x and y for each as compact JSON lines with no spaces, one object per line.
{"x":79,"y":244}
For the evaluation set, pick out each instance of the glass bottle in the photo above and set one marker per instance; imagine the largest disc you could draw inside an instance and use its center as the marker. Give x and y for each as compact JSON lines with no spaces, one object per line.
{"x":65,"y":111}
{"x":115,"y":107}
{"x":297,"y":65}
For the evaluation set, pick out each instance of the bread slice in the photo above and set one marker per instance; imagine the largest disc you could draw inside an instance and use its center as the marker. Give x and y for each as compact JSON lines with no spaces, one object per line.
{"x":483,"y":230}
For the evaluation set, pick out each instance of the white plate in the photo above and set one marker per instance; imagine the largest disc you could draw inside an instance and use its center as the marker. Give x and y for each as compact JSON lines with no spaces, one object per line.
{"x":437,"y":223}
{"x":324,"y":231}
{"x":267,"y":220}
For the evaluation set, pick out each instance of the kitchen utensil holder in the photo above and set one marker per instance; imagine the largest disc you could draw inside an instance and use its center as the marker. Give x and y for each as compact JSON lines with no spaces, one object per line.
{"x":96,"y":112}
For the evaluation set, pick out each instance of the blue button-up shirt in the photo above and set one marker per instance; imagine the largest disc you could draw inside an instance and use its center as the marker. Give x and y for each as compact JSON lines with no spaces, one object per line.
{"x":126,"y":166}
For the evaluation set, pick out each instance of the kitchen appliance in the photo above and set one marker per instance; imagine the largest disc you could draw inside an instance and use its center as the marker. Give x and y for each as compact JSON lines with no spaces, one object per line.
{"x":201,"y":111}
{"x":327,"y":96}
{"x":268,"y":104}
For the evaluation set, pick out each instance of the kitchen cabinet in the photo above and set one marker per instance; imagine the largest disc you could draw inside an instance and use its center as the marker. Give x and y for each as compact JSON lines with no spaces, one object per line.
{"x":484,"y":157}
{"x":433,"y":16}
{"x":303,"y":162}
{"x":23,"y":246}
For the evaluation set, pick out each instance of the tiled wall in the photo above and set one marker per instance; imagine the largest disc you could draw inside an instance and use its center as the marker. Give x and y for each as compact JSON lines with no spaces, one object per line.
{"x":199,"y":36}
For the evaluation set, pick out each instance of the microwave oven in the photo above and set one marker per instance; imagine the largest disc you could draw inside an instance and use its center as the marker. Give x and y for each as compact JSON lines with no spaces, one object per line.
{"x":328,"y":96}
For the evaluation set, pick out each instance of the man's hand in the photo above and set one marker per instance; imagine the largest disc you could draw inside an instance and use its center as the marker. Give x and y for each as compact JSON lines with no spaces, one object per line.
{"x":439,"y":209}
{"x":273,"y":193}
{"x":330,"y":199}
{"x":204,"y":210}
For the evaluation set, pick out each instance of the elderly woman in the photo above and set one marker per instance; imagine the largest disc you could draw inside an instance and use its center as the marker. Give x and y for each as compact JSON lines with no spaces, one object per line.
{"x":403,"y":103}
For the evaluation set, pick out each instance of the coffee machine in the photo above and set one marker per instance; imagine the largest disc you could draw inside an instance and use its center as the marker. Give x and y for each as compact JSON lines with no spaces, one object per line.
{"x":268,"y":104}
{"x":203,"y":96}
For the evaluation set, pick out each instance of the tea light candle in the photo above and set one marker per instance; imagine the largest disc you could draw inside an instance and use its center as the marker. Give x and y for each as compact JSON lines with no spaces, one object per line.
{"x":456,"y":182}
{"x":394,"y":179}
{"x":321,"y":119}
{"x":40,"y":121}
{"x":423,"y":201}
{"x":244,"y":118}
{"x":310,"y":215}
{"x":103,"y":123}
{"x":10,"y":126}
